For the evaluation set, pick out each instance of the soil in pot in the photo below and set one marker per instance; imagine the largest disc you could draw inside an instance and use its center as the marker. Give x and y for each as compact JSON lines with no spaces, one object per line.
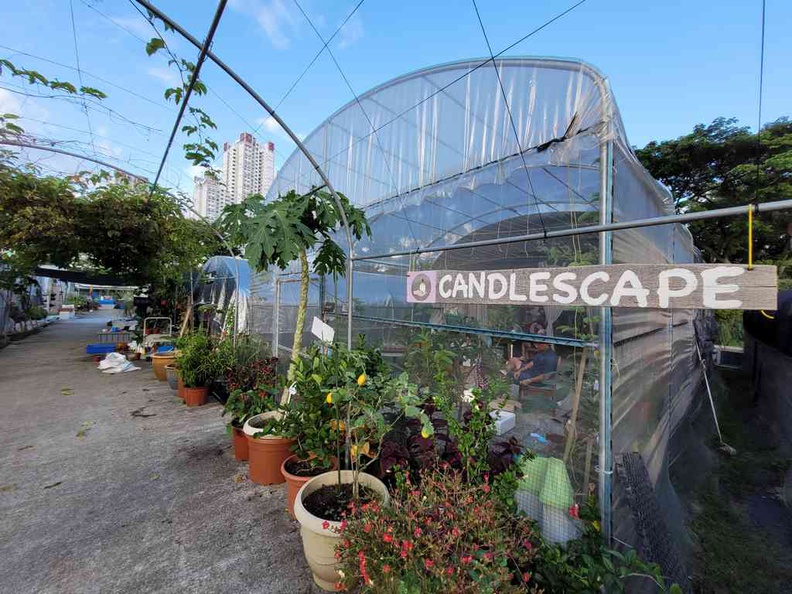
{"x":302,"y":468}
{"x":297,"y":472}
{"x":332,"y":501}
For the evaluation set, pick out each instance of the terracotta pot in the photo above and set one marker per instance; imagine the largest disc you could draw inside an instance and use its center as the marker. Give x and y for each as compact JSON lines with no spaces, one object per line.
{"x":319,"y":543}
{"x":295,"y":483}
{"x":159,"y":361}
{"x":196,"y":396}
{"x":180,"y":388}
{"x":172,"y":376}
{"x":240,"y":443}
{"x":265,"y":454}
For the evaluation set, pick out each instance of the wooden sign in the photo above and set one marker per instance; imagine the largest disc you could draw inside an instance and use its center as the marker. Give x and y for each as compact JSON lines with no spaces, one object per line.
{"x":691,"y":286}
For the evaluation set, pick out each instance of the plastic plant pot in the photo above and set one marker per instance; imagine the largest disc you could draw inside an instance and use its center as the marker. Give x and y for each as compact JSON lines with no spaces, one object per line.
{"x":240,"y":442}
{"x":196,"y":396}
{"x":319,"y":543}
{"x":172,"y":376}
{"x":266,"y":454}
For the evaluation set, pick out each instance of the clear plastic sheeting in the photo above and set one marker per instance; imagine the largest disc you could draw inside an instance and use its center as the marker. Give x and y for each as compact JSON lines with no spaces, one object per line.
{"x":434,"y":161}
{"x":223,"y":291}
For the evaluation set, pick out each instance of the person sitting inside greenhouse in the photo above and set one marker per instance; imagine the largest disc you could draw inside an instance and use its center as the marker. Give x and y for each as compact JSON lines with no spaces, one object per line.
{"x":531,"y":369}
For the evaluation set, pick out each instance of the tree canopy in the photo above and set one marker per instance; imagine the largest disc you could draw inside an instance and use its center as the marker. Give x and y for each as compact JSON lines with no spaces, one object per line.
{"x":102,"y":223}
{"x":721,"y":165}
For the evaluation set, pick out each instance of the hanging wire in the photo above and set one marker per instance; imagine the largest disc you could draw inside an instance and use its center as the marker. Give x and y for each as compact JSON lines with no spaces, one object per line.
{"x":190,"y":86}
{"x":313,"y":61}
{"x":511,"y":119}
{"x":455,"y":80}
{"x":86,"y":73}
{"x":112,"y":20}
{"x":79,"y":72}
{"x":761,"y":89}
{"x":385,"y":159}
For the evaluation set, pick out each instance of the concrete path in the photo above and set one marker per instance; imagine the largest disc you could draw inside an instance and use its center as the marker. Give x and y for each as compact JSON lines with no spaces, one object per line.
{"x":108,"y":483}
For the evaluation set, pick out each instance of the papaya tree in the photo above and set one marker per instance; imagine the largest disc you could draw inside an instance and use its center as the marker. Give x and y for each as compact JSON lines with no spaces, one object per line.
{"x":285,"y":230}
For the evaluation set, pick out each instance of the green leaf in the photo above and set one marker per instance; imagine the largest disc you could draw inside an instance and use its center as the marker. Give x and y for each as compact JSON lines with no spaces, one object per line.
{"x":154,"y":45}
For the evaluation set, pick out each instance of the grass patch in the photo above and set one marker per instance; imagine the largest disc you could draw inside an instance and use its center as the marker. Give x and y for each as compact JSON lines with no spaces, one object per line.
{"x":734,"y":555}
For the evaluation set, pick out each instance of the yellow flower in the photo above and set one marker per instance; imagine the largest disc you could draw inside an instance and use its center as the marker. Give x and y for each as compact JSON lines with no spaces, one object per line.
{"x":424,"y":433}
{"x":329,"y":398}
{"x":361,"y":381}
{"x":353,"y":450}
{"x":596,"y":525}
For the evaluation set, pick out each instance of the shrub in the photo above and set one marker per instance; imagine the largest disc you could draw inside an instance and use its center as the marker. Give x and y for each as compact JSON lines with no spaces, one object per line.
{"x":446,"y":536}
{"x":197,"y":360}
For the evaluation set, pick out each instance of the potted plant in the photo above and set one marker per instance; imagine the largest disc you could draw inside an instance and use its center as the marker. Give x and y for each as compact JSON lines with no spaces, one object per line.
{"x":267,"y":447}
{"x":368,"y":407}
{"x":242,"y":405}
{"x":198,"y":366}
{"x":318,"y":435}
{"x":280,"y":231}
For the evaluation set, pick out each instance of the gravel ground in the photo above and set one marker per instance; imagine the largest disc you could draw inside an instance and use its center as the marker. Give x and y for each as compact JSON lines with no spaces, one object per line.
{"x":108,"y":483}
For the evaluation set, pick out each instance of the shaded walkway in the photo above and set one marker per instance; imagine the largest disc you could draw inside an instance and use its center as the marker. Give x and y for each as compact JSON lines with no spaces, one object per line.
{"x":110,"y":484}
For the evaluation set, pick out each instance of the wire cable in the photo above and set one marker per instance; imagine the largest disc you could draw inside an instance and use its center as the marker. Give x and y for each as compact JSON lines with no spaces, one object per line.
{"x":511,"y":120}
{"x":385,"y":159}
{"x":86,"y":73}
{"x":456,"y":80}
{"x":190,"y":86}
{"x":313,"y":61}
{"x":79,"y":71}
{"x":759,"y":116}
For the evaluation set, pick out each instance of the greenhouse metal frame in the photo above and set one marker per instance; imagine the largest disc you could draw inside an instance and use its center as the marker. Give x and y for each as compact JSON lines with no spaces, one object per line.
{"x":432,"y":158}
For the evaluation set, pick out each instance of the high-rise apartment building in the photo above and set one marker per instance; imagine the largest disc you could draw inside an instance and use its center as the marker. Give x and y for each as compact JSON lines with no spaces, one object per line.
{"x":208,"y":197}
{"x":248,"y":168}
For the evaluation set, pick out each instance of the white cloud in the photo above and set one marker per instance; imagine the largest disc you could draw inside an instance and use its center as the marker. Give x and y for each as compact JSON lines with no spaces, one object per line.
{"x":278,"y":18}
{"x":194,"y":171}
{"x":165,"y":75}
{"x":9,"y":103}
{"x":270,"y":125}
{"x":137,"y":25}
{"x":277,"y":22}
{"x":351,"y":33}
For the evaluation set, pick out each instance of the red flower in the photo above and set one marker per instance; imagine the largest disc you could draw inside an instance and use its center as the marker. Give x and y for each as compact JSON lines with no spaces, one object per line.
{"x":488,"y":556}
{"x":526,"y":577}
{"x":340,"y":587}
{"x":367,"y":527}
{"x":403,"y":553}
{"x":466,"y":559}
{"x":347,"y":544}
{"x":527,"y":544}
{"x":417,"y":533}
{"x":386,"y":568}
{"x":343,"y":525}
{"x":574,"y":511}
{"x":338,"y":555}
{"x":325,"y":525}
{"x":485,"y":487}
{"x":450,"y":570}
{"x":387,"y":537}
{"x":428,"y":564}
{"x":455,"y":532}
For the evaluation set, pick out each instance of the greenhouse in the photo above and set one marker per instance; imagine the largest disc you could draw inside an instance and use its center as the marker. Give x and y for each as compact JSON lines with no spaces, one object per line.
{"x":462,"y":154}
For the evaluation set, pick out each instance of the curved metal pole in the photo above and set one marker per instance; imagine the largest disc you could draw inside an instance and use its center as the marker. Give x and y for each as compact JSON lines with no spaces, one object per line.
{"x":145,"y":180}
{"x":250,"y":91}
{"x":204,"y":47}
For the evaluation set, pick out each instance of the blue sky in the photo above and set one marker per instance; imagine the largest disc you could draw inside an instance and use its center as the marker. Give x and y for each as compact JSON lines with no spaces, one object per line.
{"x":671,"y":64}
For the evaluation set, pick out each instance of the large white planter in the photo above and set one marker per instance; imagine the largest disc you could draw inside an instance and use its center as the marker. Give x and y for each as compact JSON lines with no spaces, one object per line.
{"x":319,"y":543}
{"x":251,"y":430}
